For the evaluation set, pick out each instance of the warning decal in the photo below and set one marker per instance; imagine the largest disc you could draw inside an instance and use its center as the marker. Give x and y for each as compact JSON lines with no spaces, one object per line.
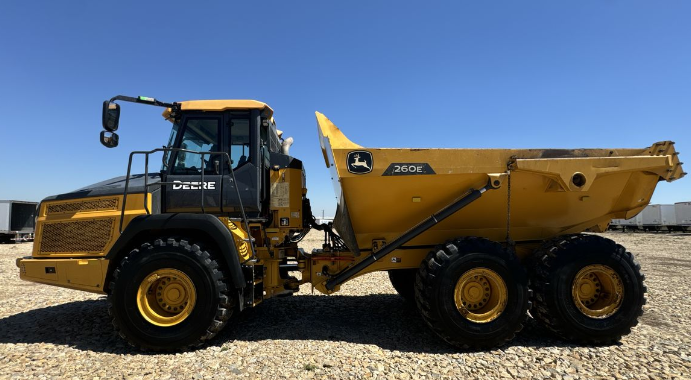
{"x":280,"y":195}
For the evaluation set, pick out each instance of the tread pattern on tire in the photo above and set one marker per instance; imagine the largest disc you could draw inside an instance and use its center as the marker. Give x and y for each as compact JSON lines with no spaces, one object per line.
{"x":225,"y":307}
{"x":428,"y":274}
{"x":540,"y":270}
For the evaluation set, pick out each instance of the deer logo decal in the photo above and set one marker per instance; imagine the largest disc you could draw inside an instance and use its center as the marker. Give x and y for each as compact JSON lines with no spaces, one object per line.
{"x":360,"y":162}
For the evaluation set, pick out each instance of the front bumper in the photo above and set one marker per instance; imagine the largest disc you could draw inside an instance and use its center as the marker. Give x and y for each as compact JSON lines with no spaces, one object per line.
{"x":80,"y":274}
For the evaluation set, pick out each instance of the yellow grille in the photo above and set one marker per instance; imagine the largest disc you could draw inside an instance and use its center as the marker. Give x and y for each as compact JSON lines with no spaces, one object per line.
{"x":89,"y":205}
{"x":76,"y":236}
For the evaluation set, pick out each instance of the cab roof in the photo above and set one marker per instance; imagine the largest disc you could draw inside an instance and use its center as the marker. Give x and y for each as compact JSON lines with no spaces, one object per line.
{"x":221,"y":105}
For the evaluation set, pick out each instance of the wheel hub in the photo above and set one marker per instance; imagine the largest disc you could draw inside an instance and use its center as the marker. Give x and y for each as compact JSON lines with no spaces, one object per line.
{"x":480,"y":295}
{"x":166,"y":297}
{"x":597,"y":291}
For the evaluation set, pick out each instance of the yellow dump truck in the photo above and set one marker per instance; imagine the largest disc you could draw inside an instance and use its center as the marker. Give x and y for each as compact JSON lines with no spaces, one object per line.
{"x":474,"y":237}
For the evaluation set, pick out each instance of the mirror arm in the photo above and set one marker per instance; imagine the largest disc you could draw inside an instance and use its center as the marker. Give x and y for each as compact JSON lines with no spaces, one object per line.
{"x":108,"y":137}
{"x":145,"y":100}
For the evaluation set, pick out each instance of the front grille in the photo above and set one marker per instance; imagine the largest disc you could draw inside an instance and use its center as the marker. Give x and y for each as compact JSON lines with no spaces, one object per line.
{"x":91,"y":235}
{"x":81,"y":206}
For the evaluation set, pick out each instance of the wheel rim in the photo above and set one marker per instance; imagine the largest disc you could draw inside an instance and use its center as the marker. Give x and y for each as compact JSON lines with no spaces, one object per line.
{"x":597,"y":291}
{"x":480,"y":295}
{"x":166,"y":297}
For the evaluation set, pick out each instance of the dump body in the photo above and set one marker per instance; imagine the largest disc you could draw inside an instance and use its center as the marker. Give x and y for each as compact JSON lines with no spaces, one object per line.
{"x":551,"y":192}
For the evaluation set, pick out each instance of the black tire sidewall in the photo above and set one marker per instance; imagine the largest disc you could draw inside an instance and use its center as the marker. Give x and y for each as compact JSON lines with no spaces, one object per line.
{"x":494,"y":332}
{"x":146,"y":334}
{"x":562,"y":299}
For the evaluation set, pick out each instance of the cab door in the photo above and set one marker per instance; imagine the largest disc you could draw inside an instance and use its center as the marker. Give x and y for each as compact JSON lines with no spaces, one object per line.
{"x":200,"y":132}
{"x":242,"y":144}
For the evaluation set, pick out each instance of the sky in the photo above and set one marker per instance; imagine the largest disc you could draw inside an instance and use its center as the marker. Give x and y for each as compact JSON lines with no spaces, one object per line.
{"x":457,"y":74}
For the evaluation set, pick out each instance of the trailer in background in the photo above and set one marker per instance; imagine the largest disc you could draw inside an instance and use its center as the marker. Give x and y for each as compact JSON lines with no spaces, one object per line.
{"x":669,"y":218}
{"x":682,"y":211}
{"x":17,"y":221}
{"x":633,"y":224}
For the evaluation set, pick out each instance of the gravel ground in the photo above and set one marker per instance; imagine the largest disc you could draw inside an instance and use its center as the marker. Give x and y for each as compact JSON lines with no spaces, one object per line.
{"x":365,"y":331}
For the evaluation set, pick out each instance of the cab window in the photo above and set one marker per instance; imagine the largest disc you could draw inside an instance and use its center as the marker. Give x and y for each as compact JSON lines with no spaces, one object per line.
{"x":200,"y":135}
{"x":239,"y":136}
{"x":171,"y":142}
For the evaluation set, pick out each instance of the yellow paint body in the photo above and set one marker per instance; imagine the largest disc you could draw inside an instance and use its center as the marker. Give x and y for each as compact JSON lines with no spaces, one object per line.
{"x":74,"y":236}
{"x":552,"y":192}
{"x":239,"y":237}
{"x":80,"y":274}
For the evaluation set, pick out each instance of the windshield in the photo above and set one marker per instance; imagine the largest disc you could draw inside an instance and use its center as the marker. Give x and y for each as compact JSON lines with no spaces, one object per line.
{"x":171,"y":141}
{"x":200,"y":135}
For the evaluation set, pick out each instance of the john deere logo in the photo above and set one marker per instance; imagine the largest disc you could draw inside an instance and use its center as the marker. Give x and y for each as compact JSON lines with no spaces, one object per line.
{"x":360,"y":162}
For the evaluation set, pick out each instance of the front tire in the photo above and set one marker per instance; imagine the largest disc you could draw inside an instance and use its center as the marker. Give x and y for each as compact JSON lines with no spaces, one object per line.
{"x":169,"y":295}
{"x":472,"y":293}
{"x":587,"y":289}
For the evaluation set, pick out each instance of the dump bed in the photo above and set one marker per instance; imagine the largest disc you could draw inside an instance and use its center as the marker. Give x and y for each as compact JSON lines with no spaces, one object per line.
{"x":547,"y":192}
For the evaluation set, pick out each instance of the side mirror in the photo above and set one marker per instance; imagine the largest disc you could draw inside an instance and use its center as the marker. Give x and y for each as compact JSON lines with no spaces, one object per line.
{"x":109,"y":139}
{"x":110,"y":116}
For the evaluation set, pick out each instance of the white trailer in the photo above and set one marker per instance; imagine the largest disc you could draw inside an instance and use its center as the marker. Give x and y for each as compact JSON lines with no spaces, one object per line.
{"x":651,"y":218}
{"x":17,"y":221}
{"x":668,"y":219}
{"x":632,"y":224}
{"x":682,"y":211}
{"x":676,"y":217}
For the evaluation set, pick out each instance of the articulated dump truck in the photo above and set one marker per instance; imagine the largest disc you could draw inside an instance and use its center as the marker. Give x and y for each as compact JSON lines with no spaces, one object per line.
{"x":476,"y":238}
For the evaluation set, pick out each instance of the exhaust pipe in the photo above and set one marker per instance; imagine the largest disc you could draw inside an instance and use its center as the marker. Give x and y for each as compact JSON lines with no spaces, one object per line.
{"x":285,"y":145}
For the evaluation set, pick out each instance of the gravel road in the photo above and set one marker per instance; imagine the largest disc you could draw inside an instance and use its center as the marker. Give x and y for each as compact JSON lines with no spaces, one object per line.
{"x":365,"y":331}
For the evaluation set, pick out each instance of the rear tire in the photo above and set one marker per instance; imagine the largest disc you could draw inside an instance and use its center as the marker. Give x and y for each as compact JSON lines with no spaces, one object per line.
{"x":569,"y":266}
{"x":181,"y":274}
{"x":472,"y":293}
{"x":403,"y":280}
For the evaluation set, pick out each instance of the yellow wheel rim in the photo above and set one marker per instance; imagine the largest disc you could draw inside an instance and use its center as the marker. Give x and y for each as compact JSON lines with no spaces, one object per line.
{"x":597,"y":291}
{"x":480,"y":295}
{"x":166,"y":297}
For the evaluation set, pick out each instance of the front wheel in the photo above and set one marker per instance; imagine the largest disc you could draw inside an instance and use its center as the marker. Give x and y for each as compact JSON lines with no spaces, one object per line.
{"x":169,"y":295}
{"x":472,"y":293}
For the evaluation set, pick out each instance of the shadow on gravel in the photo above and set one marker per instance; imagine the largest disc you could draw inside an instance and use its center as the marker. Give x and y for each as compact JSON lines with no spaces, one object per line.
{"x":383,"y":320}
{"x":81,"y":324}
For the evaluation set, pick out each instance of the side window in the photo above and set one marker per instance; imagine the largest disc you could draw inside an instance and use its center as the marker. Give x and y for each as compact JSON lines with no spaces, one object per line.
{"x":201,"y":135}
{"x":239,"y":141}
{"x":171,"y":142}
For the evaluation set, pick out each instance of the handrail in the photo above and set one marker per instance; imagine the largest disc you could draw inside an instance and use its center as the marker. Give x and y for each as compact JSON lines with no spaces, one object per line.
{"x":146,"y":183}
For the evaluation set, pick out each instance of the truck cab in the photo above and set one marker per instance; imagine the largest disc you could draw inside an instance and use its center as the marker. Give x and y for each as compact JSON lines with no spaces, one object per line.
{"x":223,"y":216}
{"x":242,"y":129}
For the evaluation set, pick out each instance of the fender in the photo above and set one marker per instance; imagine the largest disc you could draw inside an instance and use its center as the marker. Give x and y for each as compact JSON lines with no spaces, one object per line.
{"x":204,"y":223}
